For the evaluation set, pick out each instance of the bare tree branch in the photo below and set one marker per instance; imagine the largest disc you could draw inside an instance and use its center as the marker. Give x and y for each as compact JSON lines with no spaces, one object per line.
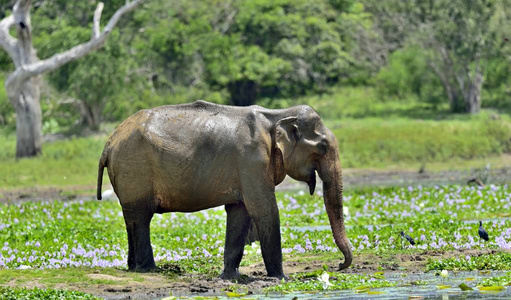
{"x":59,"y":59}
{"x":97,"y":18}
{"x":21,"y":13}
{"x":7,"y":42}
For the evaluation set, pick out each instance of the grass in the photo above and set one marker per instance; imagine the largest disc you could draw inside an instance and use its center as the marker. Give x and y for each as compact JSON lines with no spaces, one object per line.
{"x":376,"y":142}
{"x":71,"y":276}
{"x":8,"y":293}
{"x":57,"y":243}
{"x":63,"y":163}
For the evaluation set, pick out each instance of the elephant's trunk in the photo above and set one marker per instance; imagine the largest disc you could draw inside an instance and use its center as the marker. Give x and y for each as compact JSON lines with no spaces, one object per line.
{"x":331,"y":174}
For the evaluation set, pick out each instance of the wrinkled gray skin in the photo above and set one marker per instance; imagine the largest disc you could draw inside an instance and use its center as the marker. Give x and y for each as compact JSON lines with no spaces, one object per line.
{"x":185,"y":158}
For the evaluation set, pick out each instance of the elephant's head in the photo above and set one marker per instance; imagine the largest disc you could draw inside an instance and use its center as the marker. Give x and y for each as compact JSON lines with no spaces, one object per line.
{"x":304,"y":146}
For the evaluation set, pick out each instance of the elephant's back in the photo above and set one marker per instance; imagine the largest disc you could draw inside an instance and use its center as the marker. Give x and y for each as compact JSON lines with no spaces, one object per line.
{"x":177,"y":152}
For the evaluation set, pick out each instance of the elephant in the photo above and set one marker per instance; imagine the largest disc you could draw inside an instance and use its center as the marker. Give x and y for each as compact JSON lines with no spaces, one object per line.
{"x":195,"y":156}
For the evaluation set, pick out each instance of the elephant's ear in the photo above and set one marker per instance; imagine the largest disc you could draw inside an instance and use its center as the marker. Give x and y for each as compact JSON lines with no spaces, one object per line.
{"x":284,"y":139}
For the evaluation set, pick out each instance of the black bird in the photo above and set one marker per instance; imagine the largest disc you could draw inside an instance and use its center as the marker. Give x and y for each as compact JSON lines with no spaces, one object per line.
{"x":408,"y":238}
{"x":482,"y":232}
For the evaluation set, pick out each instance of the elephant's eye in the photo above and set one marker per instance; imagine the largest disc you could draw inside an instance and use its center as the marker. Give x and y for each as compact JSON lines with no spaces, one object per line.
{"x":295,"y":133}
{"x":322,"y":147}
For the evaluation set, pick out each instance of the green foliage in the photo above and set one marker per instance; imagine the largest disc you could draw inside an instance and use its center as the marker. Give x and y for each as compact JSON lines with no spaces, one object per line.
{"x":250,"y":48}
{"x":8,"y":293}
{"x":497,"y":82}
{"x":461,"y":36}
{"x":6,"y":110}
{"x":406,"y":74}
{"x":271,"y":52}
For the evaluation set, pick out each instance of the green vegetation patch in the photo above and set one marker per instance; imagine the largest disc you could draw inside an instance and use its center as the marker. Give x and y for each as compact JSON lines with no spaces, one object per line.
{"x":497,"y":280}
{"x":63,"y":163}
{"x":8,"y":293}
{"x":315,"y":281}
{"x":91,"y":234}
{"x":378,"y":142}
{"x":493,"y":261}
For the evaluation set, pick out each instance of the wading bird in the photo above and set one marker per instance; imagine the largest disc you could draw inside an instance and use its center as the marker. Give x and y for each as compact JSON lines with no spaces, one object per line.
{"x":408,"y":238}
{"x":482,"y":232}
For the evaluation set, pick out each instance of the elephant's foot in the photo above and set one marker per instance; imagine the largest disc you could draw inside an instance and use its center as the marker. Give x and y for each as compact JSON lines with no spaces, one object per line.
{"x":279,"y":276}
{"x":148,"y":266}
{"x":230,"y":275}
{"x":144,"y":269}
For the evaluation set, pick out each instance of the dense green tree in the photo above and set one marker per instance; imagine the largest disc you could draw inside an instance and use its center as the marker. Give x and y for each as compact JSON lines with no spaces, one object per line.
{"x":244,"y":51}
{"x":250,"y":48}
{"x":460,"y":36}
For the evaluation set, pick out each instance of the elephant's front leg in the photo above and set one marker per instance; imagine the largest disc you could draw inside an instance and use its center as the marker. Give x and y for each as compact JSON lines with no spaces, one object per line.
{"x":259,"y":198}
{"x":238,"y":222}
{"x":268,"y":230}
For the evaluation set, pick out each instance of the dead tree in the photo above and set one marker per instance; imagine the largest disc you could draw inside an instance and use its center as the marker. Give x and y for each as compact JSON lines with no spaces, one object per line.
{"x":23,"y":85}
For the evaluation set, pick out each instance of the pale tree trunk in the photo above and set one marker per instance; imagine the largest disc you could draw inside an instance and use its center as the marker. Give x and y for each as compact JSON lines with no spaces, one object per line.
{"x":23,"y":84}
{"x":473,"y":98}
{"x":28,"y":118}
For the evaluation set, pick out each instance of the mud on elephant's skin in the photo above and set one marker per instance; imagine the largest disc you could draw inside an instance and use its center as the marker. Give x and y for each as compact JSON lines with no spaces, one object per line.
{"x":185,"y":158}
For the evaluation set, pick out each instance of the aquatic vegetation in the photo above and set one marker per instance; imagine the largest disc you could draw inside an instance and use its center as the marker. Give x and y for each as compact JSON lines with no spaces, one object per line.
{"x":8,"y":293}
{"x":492,"y":261}
{"x":87,"y":233}
{"x":338,"y":281}
{"x":91,"y":233}
{"x":497,"y":281}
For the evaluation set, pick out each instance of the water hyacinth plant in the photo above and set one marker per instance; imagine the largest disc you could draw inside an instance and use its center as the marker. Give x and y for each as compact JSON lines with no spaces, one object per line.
{"x":91,"y":234}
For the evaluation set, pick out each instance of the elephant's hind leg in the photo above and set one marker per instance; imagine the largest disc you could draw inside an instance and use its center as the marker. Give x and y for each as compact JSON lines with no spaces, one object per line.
{"x":131,"y":247}
{"x":238,"y":222}
{"x":140,"y":252}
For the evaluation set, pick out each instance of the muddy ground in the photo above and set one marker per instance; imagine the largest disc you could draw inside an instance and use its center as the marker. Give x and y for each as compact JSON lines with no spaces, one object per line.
{"x":159,"y":285}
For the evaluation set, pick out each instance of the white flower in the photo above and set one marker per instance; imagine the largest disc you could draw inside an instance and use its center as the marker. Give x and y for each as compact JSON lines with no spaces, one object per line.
{"x":324,"y":280}
{"x":345,"y":211}
{"x":23,"y":267}
{"x":444,"y":274}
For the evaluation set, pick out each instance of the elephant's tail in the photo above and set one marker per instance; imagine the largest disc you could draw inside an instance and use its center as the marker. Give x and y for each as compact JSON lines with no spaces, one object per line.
{"x":101,"y":167}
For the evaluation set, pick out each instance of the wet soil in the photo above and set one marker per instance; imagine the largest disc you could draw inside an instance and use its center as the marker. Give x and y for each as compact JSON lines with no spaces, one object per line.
{"x":355,"y":178}
{"x":253,"y":281}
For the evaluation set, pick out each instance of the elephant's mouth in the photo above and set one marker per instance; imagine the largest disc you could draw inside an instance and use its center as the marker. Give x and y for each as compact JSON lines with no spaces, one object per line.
{"x":312,"y":181}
